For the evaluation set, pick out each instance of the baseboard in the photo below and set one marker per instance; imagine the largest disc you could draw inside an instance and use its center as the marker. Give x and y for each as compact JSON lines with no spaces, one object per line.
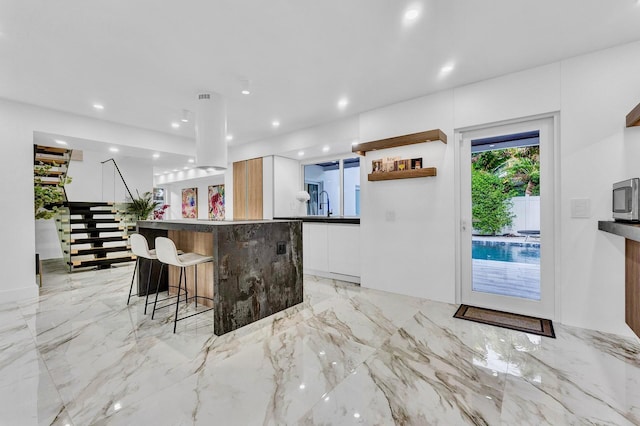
{"x":333,"y":276}
{"x":19,"y":293}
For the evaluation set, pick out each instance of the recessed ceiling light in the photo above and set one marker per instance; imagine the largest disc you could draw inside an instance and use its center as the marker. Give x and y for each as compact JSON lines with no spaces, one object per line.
{"x":156,"y":174}
{"x":325,"y":149}
{"x":354,"y":143}
{"x":245,"y":92}
{"x":275,"y":123}
{"x":156,"y":155}
{"x":185,"y":116}
{"x":175,"y":125}
{"x":229,"y":137}
{"x":186,"y":168}
{"x":300,"y":153}
{"x":113,"y":149}
{"x":411,"y":15}
{"x":446,"y":69}
{"x":61,"y":142}
{"x":98,"y":106}
{"x":175,"y":170}
{"x":342,"y":103}
{"x":191,"y":160}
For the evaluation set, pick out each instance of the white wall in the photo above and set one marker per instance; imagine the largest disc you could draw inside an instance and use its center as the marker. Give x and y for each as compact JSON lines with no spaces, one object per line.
{"x":598,"y":90}
{"x":174,"y":196}
{"x":93,"y":181}
{"x":17,"y":123}
{"x":286,"y":184}
{"x":406,"y":226}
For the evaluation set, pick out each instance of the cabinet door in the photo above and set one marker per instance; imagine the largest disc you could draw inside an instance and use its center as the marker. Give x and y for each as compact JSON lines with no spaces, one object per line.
{"x":314,"y":247}
{"x":254,"y":188}
{"x":240,"y":190}
{"x":344,"y":249}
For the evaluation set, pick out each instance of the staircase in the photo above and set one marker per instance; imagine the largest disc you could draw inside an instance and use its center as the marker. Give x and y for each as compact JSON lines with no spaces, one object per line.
{"x":50,"y":165}
{"x":92,"y":234}
{"x":95,"y":234}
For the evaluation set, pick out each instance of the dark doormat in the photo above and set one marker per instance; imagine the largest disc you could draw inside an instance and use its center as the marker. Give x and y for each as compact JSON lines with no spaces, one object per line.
{"x":539,"y":326}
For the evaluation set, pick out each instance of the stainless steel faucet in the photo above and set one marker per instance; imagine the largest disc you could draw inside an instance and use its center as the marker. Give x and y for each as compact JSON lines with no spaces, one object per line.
{"x":327,"y":203}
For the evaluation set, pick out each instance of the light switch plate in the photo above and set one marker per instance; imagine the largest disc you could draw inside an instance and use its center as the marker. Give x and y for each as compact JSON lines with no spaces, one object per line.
{"x":581,"y":208}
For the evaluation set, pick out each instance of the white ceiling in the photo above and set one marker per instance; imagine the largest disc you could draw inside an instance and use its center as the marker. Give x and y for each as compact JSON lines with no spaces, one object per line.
{"x":146,"y":60}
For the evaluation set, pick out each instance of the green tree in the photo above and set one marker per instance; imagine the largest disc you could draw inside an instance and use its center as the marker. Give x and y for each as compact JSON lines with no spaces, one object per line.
{"x":491,"y":202}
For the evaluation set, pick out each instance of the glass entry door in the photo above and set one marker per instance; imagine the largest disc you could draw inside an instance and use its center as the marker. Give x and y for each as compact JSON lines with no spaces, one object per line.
{"x":506,"y":218}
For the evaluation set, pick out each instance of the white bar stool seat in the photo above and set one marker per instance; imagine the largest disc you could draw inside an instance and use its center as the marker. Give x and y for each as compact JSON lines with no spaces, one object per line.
{"x":167,"y":253}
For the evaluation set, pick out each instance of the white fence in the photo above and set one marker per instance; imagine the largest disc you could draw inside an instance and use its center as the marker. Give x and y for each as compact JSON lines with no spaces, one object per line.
{"x":526,"y":212}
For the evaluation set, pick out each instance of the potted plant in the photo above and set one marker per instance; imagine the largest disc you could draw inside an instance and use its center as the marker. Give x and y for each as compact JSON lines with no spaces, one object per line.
{"x":142,"y":206}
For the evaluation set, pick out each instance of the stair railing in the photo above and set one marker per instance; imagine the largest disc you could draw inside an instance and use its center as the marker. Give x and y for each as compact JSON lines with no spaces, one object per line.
{"x":119,"y":173}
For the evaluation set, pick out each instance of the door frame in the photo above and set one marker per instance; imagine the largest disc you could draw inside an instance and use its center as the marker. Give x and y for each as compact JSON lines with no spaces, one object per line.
{"x":550,"y":215}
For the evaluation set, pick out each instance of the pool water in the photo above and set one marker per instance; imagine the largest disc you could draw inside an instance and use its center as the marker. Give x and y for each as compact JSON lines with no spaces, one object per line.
{"x":506,"y":252}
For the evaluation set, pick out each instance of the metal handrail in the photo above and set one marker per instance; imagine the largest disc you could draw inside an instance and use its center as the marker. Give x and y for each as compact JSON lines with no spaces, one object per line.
{"x":121,"y":177}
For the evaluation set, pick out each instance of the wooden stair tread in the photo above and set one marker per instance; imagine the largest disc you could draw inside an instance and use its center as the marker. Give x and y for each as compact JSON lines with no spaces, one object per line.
{"x":91,"y":240}
{"x":103,"y":260}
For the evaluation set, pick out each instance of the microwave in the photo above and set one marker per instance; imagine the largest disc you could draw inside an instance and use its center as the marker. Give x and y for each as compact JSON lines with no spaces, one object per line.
{"x":625,"y":200}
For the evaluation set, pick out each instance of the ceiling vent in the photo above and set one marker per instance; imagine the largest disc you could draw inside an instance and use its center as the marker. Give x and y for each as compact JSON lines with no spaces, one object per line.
{"x":211,"y":130}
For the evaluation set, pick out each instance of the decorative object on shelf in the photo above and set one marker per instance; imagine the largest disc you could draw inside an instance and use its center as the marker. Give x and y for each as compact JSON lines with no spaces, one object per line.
{"x":413,"y":138}
{"x":633,"y":118}
{"x":416,"y":163}
{"x":303,"y":196}
{"x":190,"y":203}
{"x":142,"y":206}
{"x":376,"y":166}
{"x":403,"y":174}
{"x":216,"y":202}
{"x":158,"y":214}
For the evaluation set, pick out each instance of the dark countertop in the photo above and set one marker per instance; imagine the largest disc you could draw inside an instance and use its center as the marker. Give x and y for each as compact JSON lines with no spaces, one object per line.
{"x":323,"y":219}
{"x":628,"y":230}
{"x":198,"y":225}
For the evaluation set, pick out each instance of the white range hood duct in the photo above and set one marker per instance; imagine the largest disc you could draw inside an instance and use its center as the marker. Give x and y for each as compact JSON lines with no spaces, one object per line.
{"x":211,"y":132}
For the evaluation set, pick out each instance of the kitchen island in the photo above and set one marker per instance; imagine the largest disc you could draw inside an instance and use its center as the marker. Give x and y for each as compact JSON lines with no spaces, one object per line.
{"x":257,"y":267}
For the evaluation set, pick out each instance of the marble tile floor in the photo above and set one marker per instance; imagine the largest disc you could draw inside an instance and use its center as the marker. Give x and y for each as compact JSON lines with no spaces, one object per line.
{"x":77,"y":355}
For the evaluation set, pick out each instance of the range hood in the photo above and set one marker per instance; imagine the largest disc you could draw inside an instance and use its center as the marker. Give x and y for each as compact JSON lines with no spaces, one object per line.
{"x":211,"y":131}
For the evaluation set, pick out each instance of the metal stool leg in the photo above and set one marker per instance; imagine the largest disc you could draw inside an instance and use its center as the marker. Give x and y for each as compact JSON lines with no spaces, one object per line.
{"x":157,"y":290}
{"x":182,"y":272}
{"x":146,"y":299}
{"x":135,"y":268}
{"x":195,"y":284}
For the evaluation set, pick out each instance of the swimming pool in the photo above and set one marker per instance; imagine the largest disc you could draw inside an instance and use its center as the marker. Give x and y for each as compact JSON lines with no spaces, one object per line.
{"x":506,"y":251}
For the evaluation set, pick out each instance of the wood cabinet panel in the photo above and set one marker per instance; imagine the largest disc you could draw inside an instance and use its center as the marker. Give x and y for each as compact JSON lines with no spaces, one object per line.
{"x":632,"y":285}
{"x":247,"y":189}
{"x":240,"y":190}
{"x":194,"y":242}
{"x":254,"y":188}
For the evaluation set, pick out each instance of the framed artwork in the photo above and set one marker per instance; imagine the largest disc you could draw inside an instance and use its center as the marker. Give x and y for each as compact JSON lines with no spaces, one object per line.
{"x":190,"y":203}
{"x":216,"y":202}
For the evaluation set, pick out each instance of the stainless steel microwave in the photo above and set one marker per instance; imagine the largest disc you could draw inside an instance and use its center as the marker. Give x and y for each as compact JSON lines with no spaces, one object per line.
{"x":625,"y":200}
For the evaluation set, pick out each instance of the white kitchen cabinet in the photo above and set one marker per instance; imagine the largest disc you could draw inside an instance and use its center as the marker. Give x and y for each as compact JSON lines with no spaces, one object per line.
{"x":332,"y":250}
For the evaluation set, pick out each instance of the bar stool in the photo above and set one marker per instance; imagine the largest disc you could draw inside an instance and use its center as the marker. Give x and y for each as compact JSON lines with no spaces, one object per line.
{"x":167,"y":254}
{"x":140,"y":248}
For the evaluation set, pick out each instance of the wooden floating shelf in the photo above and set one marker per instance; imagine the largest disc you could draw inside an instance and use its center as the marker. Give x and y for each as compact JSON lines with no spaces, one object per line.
{"x":403,"y":174}
{"x":420,"y":137}
{"x":633,"y":118}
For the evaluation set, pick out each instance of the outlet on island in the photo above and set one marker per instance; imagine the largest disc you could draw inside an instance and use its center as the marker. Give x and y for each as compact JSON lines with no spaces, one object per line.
{"x":281,"y":247}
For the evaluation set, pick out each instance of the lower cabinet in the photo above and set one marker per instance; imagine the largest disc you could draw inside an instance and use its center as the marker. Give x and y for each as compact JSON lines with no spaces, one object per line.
{"x":332,"y":250}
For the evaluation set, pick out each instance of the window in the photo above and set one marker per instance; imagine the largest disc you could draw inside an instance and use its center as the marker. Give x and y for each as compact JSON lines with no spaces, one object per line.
{"x":334,"y":187}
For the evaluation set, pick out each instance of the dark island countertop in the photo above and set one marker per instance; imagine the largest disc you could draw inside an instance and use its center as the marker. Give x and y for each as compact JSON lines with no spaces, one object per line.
{"x":324,"y":219}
